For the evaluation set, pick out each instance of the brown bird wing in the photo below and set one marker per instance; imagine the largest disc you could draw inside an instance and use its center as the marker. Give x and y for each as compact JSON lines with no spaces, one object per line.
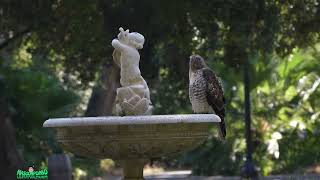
{"x":215,"y":96}
{"x":214,"y":90}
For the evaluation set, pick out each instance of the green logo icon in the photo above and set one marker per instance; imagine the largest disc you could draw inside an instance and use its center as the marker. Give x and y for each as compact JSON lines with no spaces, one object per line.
{"x":32,"y":174}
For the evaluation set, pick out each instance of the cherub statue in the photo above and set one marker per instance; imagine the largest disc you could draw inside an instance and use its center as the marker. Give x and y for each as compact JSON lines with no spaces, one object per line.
{"x":133,"y":97}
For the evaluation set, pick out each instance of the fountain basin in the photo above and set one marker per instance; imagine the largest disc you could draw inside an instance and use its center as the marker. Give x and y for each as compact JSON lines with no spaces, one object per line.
{"x":132,"y":139}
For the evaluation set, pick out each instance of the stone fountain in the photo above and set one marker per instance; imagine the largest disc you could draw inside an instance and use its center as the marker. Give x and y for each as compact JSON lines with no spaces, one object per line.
{"x":133,"y":136}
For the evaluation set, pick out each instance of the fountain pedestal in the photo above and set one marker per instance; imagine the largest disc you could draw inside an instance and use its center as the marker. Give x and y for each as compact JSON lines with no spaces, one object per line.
{"x":133,"y":168}
{"x":132,"y":140}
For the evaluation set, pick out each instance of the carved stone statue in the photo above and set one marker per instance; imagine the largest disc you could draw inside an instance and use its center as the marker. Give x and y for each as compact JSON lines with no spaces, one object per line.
{"x":133,"y":97}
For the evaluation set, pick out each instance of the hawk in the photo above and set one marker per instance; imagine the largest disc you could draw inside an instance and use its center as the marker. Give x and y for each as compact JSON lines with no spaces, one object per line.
{"x":205,"y":91}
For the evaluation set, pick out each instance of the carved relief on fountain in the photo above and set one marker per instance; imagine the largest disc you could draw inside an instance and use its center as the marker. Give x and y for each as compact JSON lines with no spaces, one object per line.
{"x":132,"y":141}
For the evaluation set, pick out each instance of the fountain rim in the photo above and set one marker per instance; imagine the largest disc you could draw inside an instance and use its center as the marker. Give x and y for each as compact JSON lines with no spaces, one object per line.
{"x":131,"y":120}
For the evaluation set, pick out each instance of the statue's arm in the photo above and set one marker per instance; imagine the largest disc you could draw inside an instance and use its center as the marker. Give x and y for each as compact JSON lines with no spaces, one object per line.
{"x":118,"y":45}
{"x":116,"y":57}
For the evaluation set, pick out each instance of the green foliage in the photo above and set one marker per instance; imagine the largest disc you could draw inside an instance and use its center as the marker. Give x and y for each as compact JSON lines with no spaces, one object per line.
{"x":285,"y":103}
{"x":209,"y":158}
{"x":298,"y":150}
{"x":91,"y":166}
{"x":285,"y":112}
{"x":37,"y":95}
{"x":33,"y":97}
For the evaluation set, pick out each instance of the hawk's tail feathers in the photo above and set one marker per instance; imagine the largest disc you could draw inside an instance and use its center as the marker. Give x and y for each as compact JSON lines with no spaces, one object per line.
{"x":222,"y":130}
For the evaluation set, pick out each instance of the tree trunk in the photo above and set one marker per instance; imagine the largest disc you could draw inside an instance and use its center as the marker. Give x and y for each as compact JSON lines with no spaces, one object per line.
{"x":10,"y":159}
{"x":103,"y":95}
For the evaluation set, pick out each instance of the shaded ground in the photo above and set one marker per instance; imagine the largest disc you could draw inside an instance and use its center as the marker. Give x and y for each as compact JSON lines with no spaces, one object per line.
{"x":186,"y":174}
{"x":157,"y":172}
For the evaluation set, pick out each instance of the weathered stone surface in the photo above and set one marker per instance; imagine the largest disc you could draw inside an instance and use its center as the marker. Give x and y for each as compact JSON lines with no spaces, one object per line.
{"x":132,"y":137}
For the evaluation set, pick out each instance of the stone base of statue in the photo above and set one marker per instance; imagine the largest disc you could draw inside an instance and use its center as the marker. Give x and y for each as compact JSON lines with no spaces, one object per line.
{"x":132,"y":140}
{"x":132,"y":101}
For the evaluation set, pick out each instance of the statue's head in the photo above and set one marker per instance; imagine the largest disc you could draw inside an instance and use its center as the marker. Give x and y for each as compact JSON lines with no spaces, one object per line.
{"x":132,"y":39}
{"x":136,"y":40}
{"x":123,"y":35}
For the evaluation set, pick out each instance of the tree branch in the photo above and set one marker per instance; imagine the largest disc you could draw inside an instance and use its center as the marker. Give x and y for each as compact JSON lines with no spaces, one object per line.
{"x":15,"y":37}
